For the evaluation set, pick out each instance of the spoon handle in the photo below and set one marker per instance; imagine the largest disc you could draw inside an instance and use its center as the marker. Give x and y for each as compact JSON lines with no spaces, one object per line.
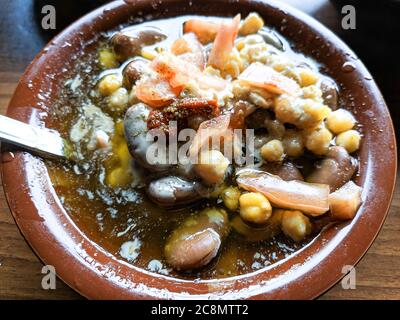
{"x":41,"y":141}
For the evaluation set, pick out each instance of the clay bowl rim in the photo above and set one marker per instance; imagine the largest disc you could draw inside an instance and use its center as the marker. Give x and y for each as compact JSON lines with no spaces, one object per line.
{"x":95,"y":273}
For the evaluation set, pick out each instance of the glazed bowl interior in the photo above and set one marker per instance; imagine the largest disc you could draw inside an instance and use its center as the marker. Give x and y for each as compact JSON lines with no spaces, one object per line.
{"x":95,"y":273}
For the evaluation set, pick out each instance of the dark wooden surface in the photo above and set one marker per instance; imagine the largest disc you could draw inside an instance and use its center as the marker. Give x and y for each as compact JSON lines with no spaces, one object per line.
{"x":378,"y":273}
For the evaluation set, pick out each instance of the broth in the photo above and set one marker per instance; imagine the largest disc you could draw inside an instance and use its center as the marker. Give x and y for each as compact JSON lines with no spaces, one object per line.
{"x":113,"y":216}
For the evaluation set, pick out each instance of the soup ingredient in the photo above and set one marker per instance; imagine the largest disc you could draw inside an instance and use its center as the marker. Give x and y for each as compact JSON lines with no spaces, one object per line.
{"x":258,"y":232}
{"x":118,"y":100}
{"x":182,"y":111}
{"x":272,"y":151}
{"x":339,"y":121}
{"x":254,"y":208}
{"x":262,"y":76}
{"x":134,"y":71}
{"x":293,"y":143}
{"x":206,"y":31}
{"x":257,"y":118}
{"x":92,"y":119}
{"x":212,"y":166}
{"x":350,"y":140}
{"x":118,"y":165}
{"x":130,"y":250}
{"x":102,"y":139}
{"x":172,"y":191}
{"x":181,"y":74}
{"x":195,"y":121}
{"x":129,"y":41}
{"x":335,"y":170}
{"x":318,"y":139}
{"x":310,"y":198}
{"x":285,"y":170}
{"x":224,"y":43}
{"x":344,"y":202}
{"x":303,"y":113}
{"x":213,"y":131}
{"x":230,"y":196}
{"x":329,"y":93}
{"x":307,"y":77}
{"x":135,"y":187}
{"x":197,"y":241}
{"x":295,"y":224}
{"x":109,"y":84}
{"x":155,"y":91}
{"x":135,"y":124}
{"x":240,"y":112}
{"x":275,"y":128}
{"x":188,"y":48}
{"x":251,"y":24}
{"x":107,"y":59}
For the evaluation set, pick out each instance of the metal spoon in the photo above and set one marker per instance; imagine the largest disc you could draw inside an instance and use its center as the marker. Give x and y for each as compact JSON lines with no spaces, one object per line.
{"x":41,"y":141}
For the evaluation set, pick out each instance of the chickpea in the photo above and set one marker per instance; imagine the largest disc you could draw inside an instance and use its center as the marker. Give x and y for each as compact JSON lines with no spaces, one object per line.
{"x":119,"y":177}
{"x":120,"y":129}
{"x":251,"y":24}
{"x":257,"y":233}
{"x":109,"y":84}
{"x":350,"y":140}
{"x":280,"y":63}
{"x":307,"y":77}
{"x":314,"y":112}
{"x":235,"y":65}
{"x":148,"y":54}
{"x":252,"y":40}
{"x":107,"y":59}
{"x":119,"y":99}
{"x":230,"y":196}
{"x":293,"y":143}
{"x":123,"y":154}
{"x":312,"y":92}
{"x":286,"y":110}
{"x":240,"y":43}
{"x":212,"y":166}
{"x":253,"y":49}
{"x":212,"y":71}
{"x":303,"y":113}
{"x":295,"y":225}
{"x":119,"y":166}
{"x":318,"y":140}
{"x":272,"y":151}
{"x":132,"y":98}
{"x":255,"y":208}
{"x":340,"y":120}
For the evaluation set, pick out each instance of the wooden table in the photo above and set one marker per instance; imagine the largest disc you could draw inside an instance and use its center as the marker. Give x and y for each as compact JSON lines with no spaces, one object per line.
{"x":378,"y":274}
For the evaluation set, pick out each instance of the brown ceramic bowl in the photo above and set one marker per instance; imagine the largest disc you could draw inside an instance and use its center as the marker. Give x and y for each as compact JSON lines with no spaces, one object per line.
{"x":95,"y":273}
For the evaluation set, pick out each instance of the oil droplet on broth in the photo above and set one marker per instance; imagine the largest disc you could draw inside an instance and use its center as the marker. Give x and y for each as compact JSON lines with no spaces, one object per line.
{"x":348,"y":67}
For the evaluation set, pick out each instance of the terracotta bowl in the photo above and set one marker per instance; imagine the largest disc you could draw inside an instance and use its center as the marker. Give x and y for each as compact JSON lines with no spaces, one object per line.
{"x":97,"y":274}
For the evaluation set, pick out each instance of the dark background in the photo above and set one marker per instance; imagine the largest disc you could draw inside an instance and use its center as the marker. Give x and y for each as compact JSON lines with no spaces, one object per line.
{"x":375,"y":41}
